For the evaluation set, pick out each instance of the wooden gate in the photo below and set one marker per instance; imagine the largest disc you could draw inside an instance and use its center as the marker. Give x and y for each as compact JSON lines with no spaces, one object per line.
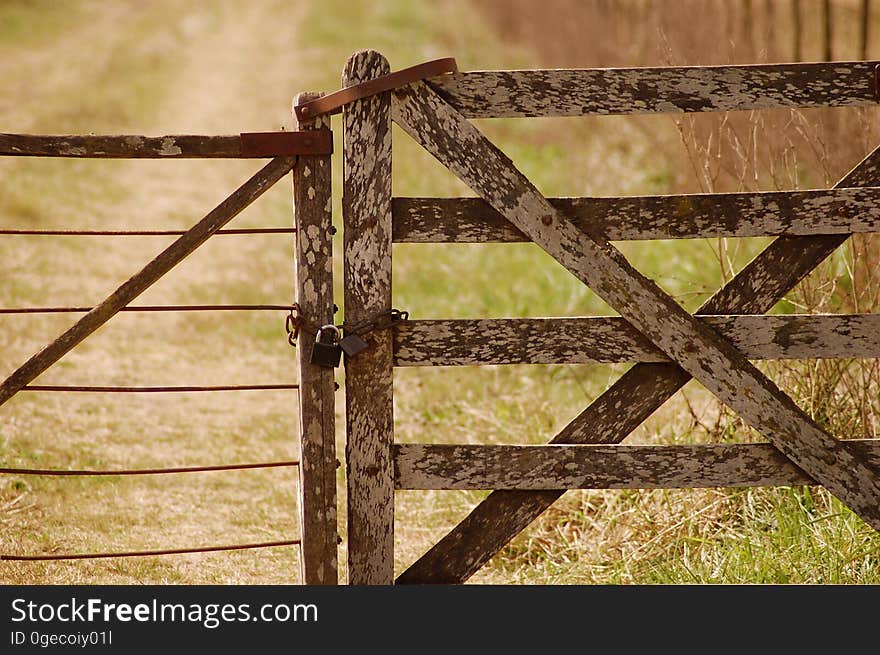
{"x":306,"y":153}
{"x":714,"y":346}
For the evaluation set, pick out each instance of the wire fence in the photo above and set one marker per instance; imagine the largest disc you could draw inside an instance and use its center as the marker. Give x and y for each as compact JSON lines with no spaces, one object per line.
{"x":153,"y":471}
{"x":10,"y":557}
{"x":146,"y":553}
{"x":284,"y":150}
{"x":141,"y":233}
{"x":166,"y":389}
{"x":147,"y":308}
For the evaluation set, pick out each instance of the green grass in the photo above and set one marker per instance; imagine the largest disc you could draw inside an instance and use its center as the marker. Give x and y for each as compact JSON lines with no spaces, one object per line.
{"x":591,"y":537}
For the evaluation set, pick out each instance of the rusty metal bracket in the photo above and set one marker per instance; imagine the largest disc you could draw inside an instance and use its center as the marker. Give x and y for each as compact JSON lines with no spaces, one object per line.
{"x":286,"y":144}
{"x":333,"y":103}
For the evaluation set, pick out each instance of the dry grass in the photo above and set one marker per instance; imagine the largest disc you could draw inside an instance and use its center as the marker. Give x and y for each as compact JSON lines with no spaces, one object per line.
{"x":162,"y":67}
{"x":225,"y":67}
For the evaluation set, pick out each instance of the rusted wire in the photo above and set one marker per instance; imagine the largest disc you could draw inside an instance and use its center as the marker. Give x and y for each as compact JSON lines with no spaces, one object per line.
{"x":117,"y":389}
{"x":141,"y":233}
{"x":147,"y":553}
{"x":183,"y":469}
{"x":146,"y":308}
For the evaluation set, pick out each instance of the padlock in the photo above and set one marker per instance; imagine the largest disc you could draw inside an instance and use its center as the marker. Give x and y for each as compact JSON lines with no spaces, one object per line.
{"x":352,"y":344}
{"x":326,"y":353}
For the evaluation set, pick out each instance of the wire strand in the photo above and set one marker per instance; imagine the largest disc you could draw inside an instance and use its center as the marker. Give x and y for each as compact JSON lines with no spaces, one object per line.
{"x":116,"y":389}
{"x":146,"y":308}
{"x":147,"y":553}
{"x":141,"y":233}
{"x":155,"y":471}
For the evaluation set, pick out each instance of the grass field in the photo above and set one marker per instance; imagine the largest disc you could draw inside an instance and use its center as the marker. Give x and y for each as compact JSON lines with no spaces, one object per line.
{"x":227,"y":67}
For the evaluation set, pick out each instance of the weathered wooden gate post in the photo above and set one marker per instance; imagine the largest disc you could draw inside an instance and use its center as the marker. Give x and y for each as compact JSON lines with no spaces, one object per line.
{"x":366,"y":213}
{"x":314,"y":296}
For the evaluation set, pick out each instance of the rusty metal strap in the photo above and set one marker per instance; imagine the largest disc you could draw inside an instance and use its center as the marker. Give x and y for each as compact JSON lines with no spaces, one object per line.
{"x":286,"y":144}
{"x":333,"y":103}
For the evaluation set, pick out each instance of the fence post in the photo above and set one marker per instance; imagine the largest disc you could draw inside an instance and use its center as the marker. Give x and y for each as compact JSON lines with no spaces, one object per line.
{"x":366,"y":213}
{"x":314,"y":296}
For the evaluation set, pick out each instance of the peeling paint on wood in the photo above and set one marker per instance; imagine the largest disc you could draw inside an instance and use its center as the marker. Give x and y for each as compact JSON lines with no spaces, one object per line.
{"x":314,"y":297}
{"x":125,"y":146}
{"x":454,"y":558}
{"x":640,"y":392}
{"x":476,"y":467}
{"x":366,"y":208}
{"x":472,"y":220}
{"x":588,"y":340}
{"x":579,"y":92}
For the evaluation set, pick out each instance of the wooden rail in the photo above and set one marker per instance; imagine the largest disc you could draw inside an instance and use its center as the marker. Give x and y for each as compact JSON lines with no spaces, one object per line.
{"x":693,"y":216}
{"x":581,"y":92}
{"x":536,"y":468}
{"x":481,"y":342}
{"x":175,"y":146}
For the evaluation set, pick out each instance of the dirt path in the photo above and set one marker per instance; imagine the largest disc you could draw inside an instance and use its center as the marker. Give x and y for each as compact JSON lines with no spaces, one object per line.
{"x":234,"y":69}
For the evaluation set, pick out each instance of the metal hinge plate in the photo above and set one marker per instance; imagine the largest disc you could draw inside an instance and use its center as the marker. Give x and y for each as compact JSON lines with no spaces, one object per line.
{"x":286,"y":144}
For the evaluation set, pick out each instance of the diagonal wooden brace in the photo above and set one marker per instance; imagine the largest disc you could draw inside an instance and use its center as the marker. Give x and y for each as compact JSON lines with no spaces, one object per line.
{"x":695,"y":347}
{"x":149,"y":275}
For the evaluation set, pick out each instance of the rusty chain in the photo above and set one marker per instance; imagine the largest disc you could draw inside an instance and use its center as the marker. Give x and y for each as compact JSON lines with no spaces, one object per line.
{"x":294,"y":323}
